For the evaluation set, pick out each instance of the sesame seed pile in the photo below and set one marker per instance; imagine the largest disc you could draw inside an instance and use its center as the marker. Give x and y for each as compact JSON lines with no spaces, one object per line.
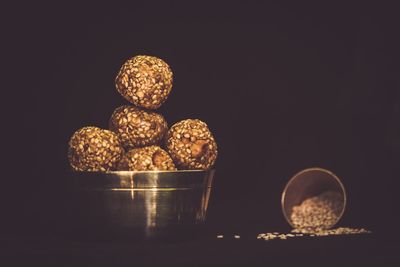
{"x":319,"y":212}
{"x":295,"y":233}
{"x":300,"y":233}
{"x":315,"y":216}
{"x":138,"y":138}
{"x":335,"y":231}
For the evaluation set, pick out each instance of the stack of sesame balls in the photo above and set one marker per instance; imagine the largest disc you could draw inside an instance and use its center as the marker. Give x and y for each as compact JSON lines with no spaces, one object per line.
{"x":138,"y":138}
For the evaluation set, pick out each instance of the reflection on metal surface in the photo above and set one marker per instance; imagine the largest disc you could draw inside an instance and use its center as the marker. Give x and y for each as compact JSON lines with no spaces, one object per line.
{"x":151,"y":210}
{"x":140,"y":179}
{"x":310,"y":183}
{"x":143,"y":202}
{"x":148,"y":189}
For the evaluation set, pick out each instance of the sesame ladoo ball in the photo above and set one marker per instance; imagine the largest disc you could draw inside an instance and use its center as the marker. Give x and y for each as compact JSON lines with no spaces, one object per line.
{"x":94,"y":149}
{"x":136,"y":127}
{"x":150,"y":158}
{"x":145,"y":81}
{"x":191,"y":145}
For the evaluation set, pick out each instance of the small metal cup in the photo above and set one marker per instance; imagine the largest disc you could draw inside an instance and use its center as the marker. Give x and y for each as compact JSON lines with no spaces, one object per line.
{"x":309,"y":183}
{"x":140,"y":205}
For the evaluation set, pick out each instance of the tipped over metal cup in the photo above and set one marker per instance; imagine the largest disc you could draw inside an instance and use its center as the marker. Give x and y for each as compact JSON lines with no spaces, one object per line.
{"x":313,"y":199}
{"x":143,"y":205}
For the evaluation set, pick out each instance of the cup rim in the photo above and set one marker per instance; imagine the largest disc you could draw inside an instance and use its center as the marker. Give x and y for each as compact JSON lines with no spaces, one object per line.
{"x":283,"y":197}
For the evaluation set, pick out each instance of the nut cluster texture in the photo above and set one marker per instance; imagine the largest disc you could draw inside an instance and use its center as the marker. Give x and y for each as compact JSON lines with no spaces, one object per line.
{"x":191,"y":145}
{"x":150,"y":158}
{"x":145,"y":81}
{"x":136,"y":127}
{"x":94,"y":149}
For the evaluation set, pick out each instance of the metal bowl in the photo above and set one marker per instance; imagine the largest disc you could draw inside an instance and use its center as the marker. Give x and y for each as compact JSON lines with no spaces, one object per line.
{"x":143,"y":204}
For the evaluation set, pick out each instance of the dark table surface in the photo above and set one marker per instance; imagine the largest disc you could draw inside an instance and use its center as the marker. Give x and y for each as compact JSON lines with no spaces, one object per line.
{"x":312,"y":85}
{"x":376,"y":249}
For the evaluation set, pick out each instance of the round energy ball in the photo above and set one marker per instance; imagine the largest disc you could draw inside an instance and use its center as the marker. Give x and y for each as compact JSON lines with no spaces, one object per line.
{"x":145,"y":81}
{"x":191,"y":145}
{"x":150,"y":158}
{"x":136,"y":127}
{"x":94,"y":149}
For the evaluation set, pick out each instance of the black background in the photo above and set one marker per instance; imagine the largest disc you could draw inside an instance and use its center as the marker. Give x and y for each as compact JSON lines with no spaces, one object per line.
{"x":283,"y":86}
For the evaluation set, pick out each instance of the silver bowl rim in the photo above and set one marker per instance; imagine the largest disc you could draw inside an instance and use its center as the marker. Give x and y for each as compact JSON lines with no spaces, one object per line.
{"x":142,"y":179}
{"x":133,"y":172}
